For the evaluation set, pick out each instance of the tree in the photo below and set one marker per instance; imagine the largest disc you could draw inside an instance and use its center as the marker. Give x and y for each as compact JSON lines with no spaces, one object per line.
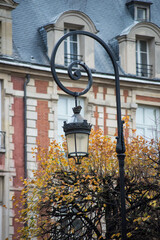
{"x":68,"y":201}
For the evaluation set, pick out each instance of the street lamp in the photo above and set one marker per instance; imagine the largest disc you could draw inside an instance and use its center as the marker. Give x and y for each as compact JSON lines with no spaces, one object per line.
{"x":78,"y":130}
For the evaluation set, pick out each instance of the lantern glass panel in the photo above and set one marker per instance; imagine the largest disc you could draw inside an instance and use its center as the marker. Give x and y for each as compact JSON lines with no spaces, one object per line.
{"x":77,"y":144}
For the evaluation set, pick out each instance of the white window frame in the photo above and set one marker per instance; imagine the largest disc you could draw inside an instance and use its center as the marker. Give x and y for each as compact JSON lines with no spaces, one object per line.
{"x":143,"y":128}
{"x":144,"y":18}
{"x":146,"y":70}
{"x":69,"y":42}
{"x":146,"y":13}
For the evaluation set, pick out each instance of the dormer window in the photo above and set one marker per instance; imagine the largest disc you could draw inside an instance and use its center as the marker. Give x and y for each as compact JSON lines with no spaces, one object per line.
{"x":6,"y":7}
{"x":74,"y":47}
{"x":139,"y":10}
{"x":139,"y":48}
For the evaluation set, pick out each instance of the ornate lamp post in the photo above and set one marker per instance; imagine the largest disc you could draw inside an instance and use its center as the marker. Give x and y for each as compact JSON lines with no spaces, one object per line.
{"x":78,"y":130}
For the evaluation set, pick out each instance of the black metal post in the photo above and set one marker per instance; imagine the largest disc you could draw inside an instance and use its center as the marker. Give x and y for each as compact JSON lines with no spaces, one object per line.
{"x":121,"y":158}
{"x":120,"y":147}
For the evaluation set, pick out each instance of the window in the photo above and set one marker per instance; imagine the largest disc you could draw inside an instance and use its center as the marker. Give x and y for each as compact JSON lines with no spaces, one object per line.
{"x":139,"y":48}
{"x":139,"y":10}
{"x":71,"y":48}
{"x":142,"y":59}
{"x":141,"y":14}
{"x":6,"y":7}
{"x":147,"y":121}
{"x":65,"y":105}
{"x":75,"y":46}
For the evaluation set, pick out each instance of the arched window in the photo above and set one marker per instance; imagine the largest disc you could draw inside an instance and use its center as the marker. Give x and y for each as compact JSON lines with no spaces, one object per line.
{"x":74,"y":47}
{"x":139,"y":49}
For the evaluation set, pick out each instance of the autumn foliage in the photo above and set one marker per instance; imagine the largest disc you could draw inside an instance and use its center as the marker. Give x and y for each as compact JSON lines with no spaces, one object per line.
{"x":68,"y":201}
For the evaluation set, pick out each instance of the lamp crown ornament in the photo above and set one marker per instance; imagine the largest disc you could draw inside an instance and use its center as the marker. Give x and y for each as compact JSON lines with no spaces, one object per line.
{"x":77,"y":124}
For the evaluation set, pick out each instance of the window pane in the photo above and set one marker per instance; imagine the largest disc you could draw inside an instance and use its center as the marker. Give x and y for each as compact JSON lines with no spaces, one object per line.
{"x":143,"y":46}
{"x":139,"y":116}
{"x":141,"y":13}
{"x":70,"y":48}
{"x":150,"y":116}
{"x":147,"y":122}
{"x":65,"y":47}
{"x":73,"y":48}
{"x":143,"y":58}
{"x":150,"y":133}
{"x":62,"y":107}
{"x":140,"y":131}
{"x":73,"y":38}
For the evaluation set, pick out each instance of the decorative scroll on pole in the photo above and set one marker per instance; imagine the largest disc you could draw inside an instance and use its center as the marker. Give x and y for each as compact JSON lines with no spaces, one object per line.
{"x":120,"y":146}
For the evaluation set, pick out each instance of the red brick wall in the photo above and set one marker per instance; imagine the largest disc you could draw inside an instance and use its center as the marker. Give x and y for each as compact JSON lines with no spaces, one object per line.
{"x":18,"y":140}
{"x":42,"y":114}
{"x":73,"y":89}
{"x":18,"y":136}
{"x":105,"y":118}
{"x":125,"y":93}
{"x":95,"y":90}
{"x":18,"y":153}
{"x":18,"y":83}
{"x":150,"y":99}
{"x":41,"y":86}
{"x":42,"y":123}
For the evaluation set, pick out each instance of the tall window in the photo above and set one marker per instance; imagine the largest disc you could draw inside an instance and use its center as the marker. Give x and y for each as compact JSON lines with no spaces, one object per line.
{"x":65,"y":105}
{"x":142,"y":59}
{"x":71,"y":48}
{"x":147,"y":122}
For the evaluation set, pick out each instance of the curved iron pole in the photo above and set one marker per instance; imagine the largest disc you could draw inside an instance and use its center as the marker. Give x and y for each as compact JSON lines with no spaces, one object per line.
{"x":120,"y":146}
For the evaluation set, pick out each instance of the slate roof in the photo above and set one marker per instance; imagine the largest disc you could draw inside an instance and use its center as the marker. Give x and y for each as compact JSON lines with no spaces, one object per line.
{"x":110,"y":18}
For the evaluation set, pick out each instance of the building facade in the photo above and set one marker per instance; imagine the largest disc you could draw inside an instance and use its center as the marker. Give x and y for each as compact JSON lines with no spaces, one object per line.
{"x":33,"y":108}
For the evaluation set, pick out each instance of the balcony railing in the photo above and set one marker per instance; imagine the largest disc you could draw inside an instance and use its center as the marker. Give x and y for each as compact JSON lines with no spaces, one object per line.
{"x":144,"y":70}
{"x":69,"y":58}
{"x":2,"y":140}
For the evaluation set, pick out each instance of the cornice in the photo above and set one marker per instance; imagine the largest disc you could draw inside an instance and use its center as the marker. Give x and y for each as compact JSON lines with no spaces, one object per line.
{"x":8,"y":4}
{"x":10,"y":66}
